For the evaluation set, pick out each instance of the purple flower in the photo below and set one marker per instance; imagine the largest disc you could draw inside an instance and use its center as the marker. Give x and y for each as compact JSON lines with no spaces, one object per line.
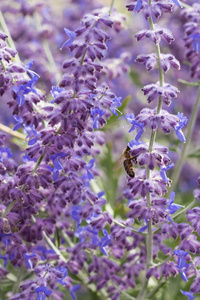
{"x":30,"y":130}
{"x":172,"y":208}
{"x":115,"y":103}
{"x":188,"y":294}
{"x":5,"y":238}
{"x":64,"y":274}
{"x":96,"y":115}
{"x":135,"y":125}
{"x":55,"y":91}
{"x":73,"y":290}
{"x":71,"y":35}
{"x":182,"y":265}
{"x":28,"y":66}
{"x":177,"y":2}
{"x":179,"y":126}
{"x":88,"y":167}
{"x":105,"y":241}
{"x":163,"y":172}
{"x":57,"y":165}
{"x":196,"y":41}
{"x":5,"y":259}
{"x":25,"y":89}
{"x":5,"y":153}
{"x":28,"y":261}
{"x":42,"y":292}
{"x":19,"y":123}
{"x":142,"y":229}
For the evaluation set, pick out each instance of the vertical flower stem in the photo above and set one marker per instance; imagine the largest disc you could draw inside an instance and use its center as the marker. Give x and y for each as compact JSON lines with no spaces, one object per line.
{"x":149,"y":238}
{"x":177,"y":171}
{"x":111,"y":6}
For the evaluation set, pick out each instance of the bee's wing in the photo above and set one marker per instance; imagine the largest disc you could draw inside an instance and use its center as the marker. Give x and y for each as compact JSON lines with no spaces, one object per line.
{"x":119,"y":162}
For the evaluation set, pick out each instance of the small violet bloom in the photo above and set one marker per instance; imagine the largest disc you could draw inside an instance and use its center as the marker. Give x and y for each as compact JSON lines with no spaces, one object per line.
{"x":5,"y":259}
{"x":135,"y":125}
{"x":25,"y":89}
{"x":88,"y":167}
{"x":28,"y":261}
{"x":75,"y":213}
{"x":179,"y":126}
{"x":42,"y":292}
{"x":142,"y":229}
{"x":5,"y":238}
{"x":28,"y":66}
{"x":196,"y":41}
{"x":30,"y":130}
{"x":177,"y":2}
{"x":163,"y":172}
{"x":182,"y":265}
{"x":71,"y":35}
{"x":19,"y":123}
{"x":55,"y":91}
{"x":188,"y":294}
{"x":172,"y":208}
{"x":96,"y":114}
{"x":105,"y":241}
{"x":5,"y":153}
{"x":57,"y":164}
{"x":116,"y":103}
{"x":64,"y":273}
{"x":73,"y":290}
{"x":138,"y":5}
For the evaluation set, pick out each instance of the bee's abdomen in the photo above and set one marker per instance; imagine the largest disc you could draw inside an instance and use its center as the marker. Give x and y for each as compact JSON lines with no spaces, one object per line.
{"x":128,"y":166}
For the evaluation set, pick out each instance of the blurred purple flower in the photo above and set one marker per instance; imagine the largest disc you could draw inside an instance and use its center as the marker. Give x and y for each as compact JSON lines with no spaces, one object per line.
{"x":96,"y":115}
{"x":42,"y":292}
{"x":188,"y":294}
{"x":163,"y":172}
{"x":135,"y":125}
{"x":73,"y":290}
{"x":115,"y":103}
{"x":196,"y":41}
{"x":179,"y":126}
{"x":28,"y":261}
{"x":71,"y":35}
{"x":182,"y":265}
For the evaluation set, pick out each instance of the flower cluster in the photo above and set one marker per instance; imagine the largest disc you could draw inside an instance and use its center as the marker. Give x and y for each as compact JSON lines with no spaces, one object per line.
{"x":55,"y":222}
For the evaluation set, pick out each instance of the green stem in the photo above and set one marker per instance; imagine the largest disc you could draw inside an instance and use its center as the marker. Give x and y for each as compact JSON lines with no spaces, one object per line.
{"x":194,"y":83}
{"x":111,"y":7}
{"x":149,"y":238}
{"x":177,"y":171}
{"x":8,"y":209}
{"x":10,"y":40}
{"x":38,"y":163}
{"x":155,"y":290}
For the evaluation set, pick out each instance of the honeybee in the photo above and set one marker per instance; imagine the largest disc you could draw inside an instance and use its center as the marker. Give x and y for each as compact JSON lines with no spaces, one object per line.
{"x":6,"y":226}
{"x":128,"y":162}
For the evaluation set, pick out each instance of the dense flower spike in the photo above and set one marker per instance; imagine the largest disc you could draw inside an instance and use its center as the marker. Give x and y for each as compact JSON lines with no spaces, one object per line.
{"x":55,"y":221}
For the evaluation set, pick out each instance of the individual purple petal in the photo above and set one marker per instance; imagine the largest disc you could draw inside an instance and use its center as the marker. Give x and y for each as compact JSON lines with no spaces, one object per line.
{"x":115,"y":103}
{"x":179,"y":126}
{"x":142,"y":229}
{"x":73,"y":290}
{"x":172,"y":208}
{"x":177,"y":2}
{"x":71,"y":35}
{"x":182,"y":265}
{"x":163,"y":172}
{"x":42,"y":292}
{"x":138,"y":5}
{"x":188,"y":294}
